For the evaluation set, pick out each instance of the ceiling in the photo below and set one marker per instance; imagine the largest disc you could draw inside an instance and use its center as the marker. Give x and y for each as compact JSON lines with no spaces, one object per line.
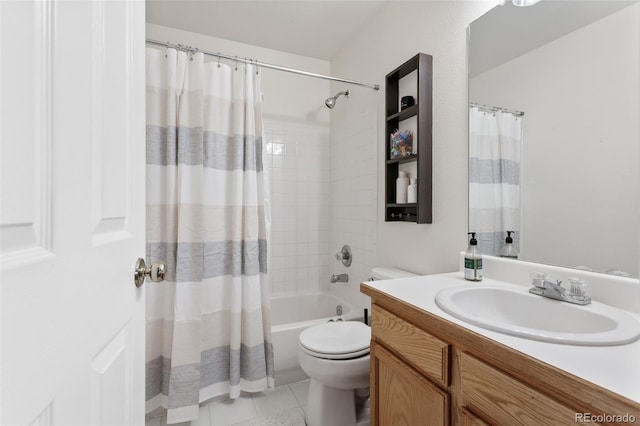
{"x":314,"y":28}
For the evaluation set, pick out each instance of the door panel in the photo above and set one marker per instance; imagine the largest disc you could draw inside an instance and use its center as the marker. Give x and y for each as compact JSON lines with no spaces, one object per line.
{"x":25,"y":210}
{"x":111,"y":112}
{"x":72,"y":212}
{"x":109,"y":404}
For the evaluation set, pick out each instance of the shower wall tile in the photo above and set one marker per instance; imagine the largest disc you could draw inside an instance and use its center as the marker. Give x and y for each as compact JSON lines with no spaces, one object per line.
{"x":298,"y":159}
{"x":353,"y":196}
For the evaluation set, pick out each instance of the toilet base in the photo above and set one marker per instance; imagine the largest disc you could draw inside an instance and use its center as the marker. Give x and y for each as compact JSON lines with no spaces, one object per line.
{"x":330,"y":406}
{"x":364,"y":414}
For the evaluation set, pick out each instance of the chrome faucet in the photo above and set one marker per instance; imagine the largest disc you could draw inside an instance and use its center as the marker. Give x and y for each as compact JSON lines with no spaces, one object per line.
{"x":340,"y":278}
{"x":542,"y":287}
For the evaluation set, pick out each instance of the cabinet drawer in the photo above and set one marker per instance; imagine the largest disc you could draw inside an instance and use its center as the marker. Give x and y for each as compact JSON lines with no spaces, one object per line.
{"x":426,"y":353}
{"x":504,"y":400}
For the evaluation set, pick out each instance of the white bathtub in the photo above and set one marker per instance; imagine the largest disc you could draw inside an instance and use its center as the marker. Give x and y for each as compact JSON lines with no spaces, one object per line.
{"x":289,"y":316}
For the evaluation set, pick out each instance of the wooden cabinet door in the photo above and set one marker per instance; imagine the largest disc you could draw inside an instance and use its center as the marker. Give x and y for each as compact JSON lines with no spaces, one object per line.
{"x":467,"y":418}
{"x":403,"y":397}
{"x":504,"y":400}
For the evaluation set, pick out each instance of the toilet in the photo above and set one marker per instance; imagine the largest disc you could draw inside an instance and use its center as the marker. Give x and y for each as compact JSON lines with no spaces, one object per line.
{"x":335,"y":355}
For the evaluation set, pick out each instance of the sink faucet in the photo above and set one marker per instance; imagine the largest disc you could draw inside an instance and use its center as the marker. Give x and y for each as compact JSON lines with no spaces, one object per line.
{"x":542,"y":287}
{"x":340,"y":278}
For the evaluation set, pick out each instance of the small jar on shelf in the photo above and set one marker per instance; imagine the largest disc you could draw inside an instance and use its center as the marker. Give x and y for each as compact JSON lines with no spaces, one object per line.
{"x":402,"y":185}
{"x":412,"y":191}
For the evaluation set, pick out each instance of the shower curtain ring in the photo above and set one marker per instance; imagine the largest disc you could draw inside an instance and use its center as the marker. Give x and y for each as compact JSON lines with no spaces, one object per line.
{"x":257,"y":69}
{"x":236,"y":69}
{"x":218,"y":59}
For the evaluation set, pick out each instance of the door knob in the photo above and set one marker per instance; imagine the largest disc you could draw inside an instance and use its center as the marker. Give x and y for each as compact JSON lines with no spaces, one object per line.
{"x":156,"y":272}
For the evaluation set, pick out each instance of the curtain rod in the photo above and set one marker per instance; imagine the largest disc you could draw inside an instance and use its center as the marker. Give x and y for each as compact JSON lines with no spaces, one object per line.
{"x":261,"y":64}
{"x":488,"y":108}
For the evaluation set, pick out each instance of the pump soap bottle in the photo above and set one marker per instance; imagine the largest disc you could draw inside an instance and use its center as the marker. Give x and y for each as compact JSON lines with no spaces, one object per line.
{"x":473,"y":260}
{"x":508,"y":250}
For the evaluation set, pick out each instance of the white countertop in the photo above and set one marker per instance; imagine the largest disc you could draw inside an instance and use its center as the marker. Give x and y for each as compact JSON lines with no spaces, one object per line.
{"x":616,"y":368}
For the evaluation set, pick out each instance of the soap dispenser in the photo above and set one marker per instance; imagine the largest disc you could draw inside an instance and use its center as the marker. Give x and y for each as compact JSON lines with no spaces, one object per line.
{"x":473,"y":260}
{"x":508,"y":249}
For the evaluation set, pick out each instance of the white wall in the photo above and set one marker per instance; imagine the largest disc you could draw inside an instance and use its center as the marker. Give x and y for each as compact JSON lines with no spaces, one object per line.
{"x":401,"y":30}
{"x":297,"y":135}
{"x":583,"y":144}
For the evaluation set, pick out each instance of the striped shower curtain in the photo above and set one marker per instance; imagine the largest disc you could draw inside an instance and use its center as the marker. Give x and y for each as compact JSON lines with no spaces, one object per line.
{"x":208,"y":327}
{"x":495,"y":144}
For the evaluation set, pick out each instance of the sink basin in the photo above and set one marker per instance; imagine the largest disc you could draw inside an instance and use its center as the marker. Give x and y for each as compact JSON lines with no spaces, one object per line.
{"x":513,"y":310}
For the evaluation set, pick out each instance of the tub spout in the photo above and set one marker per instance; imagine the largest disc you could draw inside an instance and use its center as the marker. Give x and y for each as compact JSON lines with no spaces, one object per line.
{"x":340,"y":278}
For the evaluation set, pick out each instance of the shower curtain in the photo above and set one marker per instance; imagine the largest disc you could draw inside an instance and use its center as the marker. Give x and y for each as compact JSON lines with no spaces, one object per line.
{"x":208,"y":327}
{"x":495,"y":144}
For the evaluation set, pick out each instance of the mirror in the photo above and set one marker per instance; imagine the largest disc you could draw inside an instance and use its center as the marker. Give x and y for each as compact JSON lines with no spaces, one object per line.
{"x":553,"y":135}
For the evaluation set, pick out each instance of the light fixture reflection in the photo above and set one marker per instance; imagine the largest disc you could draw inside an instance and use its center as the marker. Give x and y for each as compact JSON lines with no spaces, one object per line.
{"x":524,"y":3}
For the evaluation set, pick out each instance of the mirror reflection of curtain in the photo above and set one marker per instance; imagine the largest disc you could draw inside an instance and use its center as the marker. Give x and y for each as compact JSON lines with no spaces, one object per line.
{"x":495,"y":145}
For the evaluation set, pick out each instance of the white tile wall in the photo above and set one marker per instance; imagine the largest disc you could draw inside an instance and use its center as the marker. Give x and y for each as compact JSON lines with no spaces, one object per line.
{"x":298,"y":158}
{"x":354,"y":192}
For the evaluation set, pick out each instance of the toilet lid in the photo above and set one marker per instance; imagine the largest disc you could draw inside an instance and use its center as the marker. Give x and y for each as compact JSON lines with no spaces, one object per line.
{"x":337,"y":338}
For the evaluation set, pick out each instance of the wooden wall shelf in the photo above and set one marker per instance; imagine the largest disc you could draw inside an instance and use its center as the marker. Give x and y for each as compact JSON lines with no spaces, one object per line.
{"x":407,"y":159}
{"x":420,"y":212}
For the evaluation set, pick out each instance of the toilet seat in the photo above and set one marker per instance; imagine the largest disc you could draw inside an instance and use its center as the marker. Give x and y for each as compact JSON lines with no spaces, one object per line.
{"x":336,"y":340}
{"x":349,"y":355}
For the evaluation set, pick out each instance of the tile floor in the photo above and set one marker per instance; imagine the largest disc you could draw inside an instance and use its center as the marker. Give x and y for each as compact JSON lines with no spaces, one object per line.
{"x":282,"y":406}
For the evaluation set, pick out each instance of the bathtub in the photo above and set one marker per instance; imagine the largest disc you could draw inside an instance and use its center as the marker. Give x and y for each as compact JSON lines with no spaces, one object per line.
{"x":292,"y":314}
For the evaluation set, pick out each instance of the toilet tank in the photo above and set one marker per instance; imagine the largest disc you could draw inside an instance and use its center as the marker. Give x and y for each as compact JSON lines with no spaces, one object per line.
{"x":384,"y":273}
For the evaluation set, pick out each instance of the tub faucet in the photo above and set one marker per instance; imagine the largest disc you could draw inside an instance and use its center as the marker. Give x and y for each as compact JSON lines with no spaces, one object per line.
{"x":340,"y":278}
{"x":577,"y":294}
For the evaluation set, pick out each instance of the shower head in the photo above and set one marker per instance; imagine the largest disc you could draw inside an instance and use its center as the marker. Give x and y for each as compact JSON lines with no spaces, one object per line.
{"x":331,"y":102}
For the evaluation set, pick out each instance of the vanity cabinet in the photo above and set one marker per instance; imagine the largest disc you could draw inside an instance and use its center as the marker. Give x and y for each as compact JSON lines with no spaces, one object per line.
{"x":420,"y":211}
{"x":428,"y":371}
{"x":469,"y":419}
{"x":403,"y":396}
{"x":411,"y":390}
{"x":504,"y":400}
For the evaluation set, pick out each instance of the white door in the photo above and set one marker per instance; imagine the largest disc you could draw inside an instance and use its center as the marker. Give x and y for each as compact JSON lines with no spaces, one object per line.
{"x":72,"y":212}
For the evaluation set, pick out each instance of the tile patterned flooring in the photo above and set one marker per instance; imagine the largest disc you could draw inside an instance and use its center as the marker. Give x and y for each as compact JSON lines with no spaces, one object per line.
{"x":282,"y":406}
